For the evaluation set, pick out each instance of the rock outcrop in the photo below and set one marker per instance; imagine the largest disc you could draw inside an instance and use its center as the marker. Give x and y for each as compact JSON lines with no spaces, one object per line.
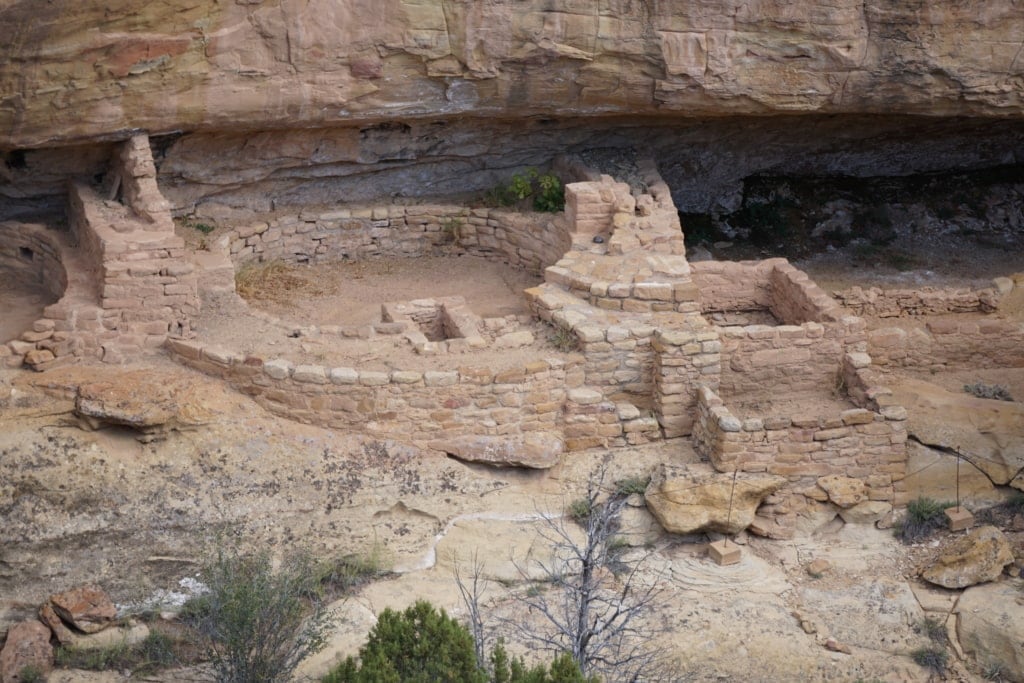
{"x":533,"y":450}
{"x":27,"y":648}
{"x":988,"y":433}
{"x":261,"y":64}
{"x":690,"y":498}
{"x":991,"y":627}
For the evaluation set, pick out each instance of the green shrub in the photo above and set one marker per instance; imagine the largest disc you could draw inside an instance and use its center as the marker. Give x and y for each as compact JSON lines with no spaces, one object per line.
{"x":933,"y":658}
{"x":562,"y":670}
{"x":546,"y":190}
{"x":350,"y":571}
{"x":550,"y":195}
{"x":419,"y":645}
{"x":30,"y":673}
{"x":631,"y":485}
{"x":260,"y":623}
{"x":924,"y":516}
{"x":580,"y":511}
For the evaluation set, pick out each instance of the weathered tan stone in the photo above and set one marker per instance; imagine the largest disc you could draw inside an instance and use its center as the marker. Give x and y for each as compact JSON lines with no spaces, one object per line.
{"x":844,"y":491}
{"x":692,"y":498}
{"x":988,"y":433}
{"x":867,"y":512}
{"x":991,"y":628}
{"x":974,"y":558}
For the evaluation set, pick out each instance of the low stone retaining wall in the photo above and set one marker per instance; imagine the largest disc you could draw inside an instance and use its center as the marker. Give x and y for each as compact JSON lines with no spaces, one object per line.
{"x":950,"y":344}
{"x":543,"y":396}
{"x":895,"y":303}
{"x":531,"y":240}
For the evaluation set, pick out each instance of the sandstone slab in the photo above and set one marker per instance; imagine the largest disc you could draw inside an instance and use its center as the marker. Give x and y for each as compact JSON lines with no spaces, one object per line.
{"x":534,"y":450}
{"x":977,"y":557}
{"x":991,"y":627}
{"x":868,"y":512}
{"x":988,"y":433}
{"x":690,"y":498}
{"x":934,"y":474}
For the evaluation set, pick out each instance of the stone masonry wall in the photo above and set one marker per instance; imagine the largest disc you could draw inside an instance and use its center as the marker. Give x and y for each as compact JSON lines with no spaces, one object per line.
{"x":733,"y":285}
{"x":532,"y":240}
{"x":894,"y":303}
{"x":770,"y":285}
{"x":759,"y":361}
{"x":130,"y":284}
{"x":950,"y":344}
{"x":545,"y":395}
{"x":684,"y":358}
{"x":857,"y":443}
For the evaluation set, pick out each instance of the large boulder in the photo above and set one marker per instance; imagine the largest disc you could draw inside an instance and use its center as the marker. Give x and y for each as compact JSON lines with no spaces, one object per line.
{"x":988,"y":433}
{"x":991,"y":627}
{"x":150,"y":403}
{"x":534,"y":450}
{"x":977,"y":557}
{"x":27,"y":645}
{"x":690,"y":498}
{"x":87,"y":608}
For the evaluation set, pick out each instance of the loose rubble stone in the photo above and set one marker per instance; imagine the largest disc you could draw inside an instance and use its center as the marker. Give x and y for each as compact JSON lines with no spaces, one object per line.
{"x":844,"y":491}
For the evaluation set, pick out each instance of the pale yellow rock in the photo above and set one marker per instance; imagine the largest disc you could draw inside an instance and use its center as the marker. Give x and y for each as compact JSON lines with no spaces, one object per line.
{"x":974,"y":558}
{"x":991,"y":627}
{"x":691,"y":498}
{"x":844,"y":491}
{"x":988,"y":433}
{"x":933,"y":474}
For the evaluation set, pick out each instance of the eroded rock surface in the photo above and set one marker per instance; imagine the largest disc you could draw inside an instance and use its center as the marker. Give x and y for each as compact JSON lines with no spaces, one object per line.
{"x":974,"y":558}
{"x":991,"y":627}
{"x":696,"y":498}
{"x":532,"y":450}
{"x":161,"y":67}
{"x":988,"y":433}
{"x":27,"y":646}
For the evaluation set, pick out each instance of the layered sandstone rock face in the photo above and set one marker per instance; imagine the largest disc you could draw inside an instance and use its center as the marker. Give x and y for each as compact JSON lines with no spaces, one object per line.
{"x":78,"y":70}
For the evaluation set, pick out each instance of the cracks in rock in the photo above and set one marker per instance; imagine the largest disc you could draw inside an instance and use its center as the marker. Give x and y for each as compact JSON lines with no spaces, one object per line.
{"x":954,"y":452}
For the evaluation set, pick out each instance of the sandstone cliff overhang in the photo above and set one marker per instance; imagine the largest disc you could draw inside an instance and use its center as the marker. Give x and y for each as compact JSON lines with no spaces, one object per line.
{"x":84,"y":70}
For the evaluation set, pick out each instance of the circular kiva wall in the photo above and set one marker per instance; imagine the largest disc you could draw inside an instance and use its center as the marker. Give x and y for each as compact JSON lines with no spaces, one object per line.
{"x":32,"y":276}
{"x":526,"y":240}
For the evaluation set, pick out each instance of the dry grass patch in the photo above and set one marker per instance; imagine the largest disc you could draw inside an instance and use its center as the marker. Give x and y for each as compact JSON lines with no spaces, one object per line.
{"x":275,"y":281}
